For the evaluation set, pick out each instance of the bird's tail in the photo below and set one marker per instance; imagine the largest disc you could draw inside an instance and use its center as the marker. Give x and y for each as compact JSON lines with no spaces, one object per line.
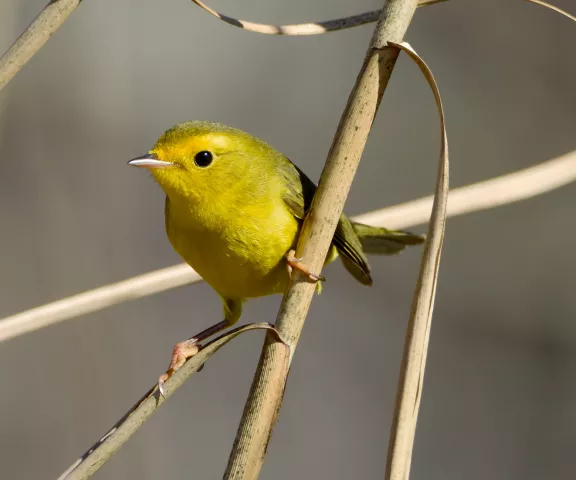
{"x":383,"y":241}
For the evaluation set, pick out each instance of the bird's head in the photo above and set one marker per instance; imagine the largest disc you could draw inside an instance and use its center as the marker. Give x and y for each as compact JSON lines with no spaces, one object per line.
{"x":206,"y":160}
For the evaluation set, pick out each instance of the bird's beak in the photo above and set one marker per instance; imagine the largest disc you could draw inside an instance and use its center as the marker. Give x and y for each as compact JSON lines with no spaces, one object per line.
{"x":149,"y":161}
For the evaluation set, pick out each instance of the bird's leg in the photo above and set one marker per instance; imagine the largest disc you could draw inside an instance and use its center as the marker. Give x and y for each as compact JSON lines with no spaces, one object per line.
{"x":293,"y":262}
{"x":188,"y":348}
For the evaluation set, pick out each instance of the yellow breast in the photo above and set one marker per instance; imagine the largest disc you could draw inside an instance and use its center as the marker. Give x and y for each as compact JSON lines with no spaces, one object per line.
{"x":238,"y":249}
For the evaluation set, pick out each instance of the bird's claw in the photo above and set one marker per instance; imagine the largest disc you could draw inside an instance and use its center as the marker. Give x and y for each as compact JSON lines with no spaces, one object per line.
{"x":162,"y":380}
{"x":293,"y":262}
{"x":316,"y":277}
{"x":182,"y":352}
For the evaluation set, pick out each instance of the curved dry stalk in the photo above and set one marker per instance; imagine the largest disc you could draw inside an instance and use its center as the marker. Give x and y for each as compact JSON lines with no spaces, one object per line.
{"x":265,"y":397}
{"x":554,"y":8}
{"x":97,"y":455}
{"x":34,"y":37}
{"x":495,"y":192}
{"x":313,"y":28}
{"x":411,"y":377}
{"x":56,"y":12}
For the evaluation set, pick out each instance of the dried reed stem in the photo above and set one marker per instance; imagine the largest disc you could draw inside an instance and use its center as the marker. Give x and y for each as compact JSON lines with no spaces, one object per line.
{"x":53,"y":16}
{"x":554,"y":8}
{"x":411,"y":379}
{"x":97,"y":455}
{"x":265,"y":396}
{"x":34,"y":37}
{"x":312,"y":28}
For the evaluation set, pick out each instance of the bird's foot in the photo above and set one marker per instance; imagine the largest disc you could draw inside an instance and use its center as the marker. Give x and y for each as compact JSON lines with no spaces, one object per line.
{"x":182,"y":352}
{"x":293,"y":262}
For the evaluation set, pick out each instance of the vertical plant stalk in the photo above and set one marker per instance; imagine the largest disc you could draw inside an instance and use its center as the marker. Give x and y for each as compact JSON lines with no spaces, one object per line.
{"x":411,"y":379}
{"x":264,"y":399}
{"x":34,"y":37}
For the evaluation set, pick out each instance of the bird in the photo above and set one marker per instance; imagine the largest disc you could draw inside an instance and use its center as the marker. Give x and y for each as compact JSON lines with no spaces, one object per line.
{"x":233,"y":211}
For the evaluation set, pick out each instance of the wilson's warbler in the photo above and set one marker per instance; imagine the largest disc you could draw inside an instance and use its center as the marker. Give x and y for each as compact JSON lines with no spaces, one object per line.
{"x":234,"y":206}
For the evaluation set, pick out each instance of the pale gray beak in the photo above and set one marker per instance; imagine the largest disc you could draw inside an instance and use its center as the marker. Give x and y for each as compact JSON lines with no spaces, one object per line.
{"x":149,"y":161}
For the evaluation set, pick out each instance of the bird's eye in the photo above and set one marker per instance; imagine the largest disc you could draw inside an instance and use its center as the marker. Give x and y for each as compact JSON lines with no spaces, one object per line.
{"x":203,"y":158}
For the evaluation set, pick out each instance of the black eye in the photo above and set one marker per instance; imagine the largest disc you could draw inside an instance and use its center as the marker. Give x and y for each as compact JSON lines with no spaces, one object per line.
{"x":203,"y":158}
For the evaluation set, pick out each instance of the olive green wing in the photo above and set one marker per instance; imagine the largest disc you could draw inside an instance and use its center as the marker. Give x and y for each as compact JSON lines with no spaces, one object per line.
{"x":298,"y":197}
{"x":350,"y":249}
{"x":299,"y":189}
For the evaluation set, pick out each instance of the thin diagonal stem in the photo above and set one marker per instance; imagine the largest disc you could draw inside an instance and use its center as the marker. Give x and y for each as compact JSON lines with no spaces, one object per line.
{"x":34,"y":37}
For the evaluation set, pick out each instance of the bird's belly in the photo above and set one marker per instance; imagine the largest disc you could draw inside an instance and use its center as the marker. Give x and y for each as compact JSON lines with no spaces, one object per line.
{"x":247,"y":263}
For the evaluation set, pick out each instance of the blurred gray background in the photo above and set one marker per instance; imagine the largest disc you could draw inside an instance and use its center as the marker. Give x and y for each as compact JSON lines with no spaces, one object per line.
{"x":499,"y":399}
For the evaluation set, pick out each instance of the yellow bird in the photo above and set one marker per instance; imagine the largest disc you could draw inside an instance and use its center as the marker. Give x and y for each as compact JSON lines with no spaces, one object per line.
{"x":234,"y":207}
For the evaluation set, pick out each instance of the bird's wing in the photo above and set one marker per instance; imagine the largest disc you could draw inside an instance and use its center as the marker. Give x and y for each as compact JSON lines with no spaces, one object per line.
{"x":298,"y":197}
{"x":350,"y":248}
{"x":299,"y":189}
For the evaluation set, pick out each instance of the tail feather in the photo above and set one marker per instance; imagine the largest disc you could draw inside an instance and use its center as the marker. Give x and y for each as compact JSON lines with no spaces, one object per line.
{"x":383,"y":241}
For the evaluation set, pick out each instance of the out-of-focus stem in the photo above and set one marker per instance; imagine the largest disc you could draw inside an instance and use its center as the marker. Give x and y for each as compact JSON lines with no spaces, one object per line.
{"x":34,"y":37}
